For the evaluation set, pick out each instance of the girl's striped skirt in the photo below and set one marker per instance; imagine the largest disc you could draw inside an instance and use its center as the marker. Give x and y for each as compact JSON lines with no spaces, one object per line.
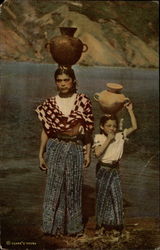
{"x":109,"y":202}
{"x":62,"y":208}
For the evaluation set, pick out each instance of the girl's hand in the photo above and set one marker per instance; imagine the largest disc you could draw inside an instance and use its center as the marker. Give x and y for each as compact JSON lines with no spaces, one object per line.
{"x":128,"y":106}
{"x":111,"y":136}
{"x":42,"y":164}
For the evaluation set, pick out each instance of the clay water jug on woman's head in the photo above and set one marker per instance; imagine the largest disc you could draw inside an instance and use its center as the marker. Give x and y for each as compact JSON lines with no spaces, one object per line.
{"x":66,"y":49}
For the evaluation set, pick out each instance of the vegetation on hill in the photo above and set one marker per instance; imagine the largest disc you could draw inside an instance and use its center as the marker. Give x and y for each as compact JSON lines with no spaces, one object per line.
{"x":121,"y":33}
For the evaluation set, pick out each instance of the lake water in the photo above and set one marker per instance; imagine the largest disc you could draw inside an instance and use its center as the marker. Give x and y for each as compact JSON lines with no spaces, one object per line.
{"x":25,"y":85}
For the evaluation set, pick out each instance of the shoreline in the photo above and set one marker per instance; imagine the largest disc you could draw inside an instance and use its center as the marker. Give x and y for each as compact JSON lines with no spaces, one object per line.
{"x":81,"y":65}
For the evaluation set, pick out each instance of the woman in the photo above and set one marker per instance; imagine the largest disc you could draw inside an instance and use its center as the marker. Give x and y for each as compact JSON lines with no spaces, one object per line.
{"x":67,"y":121}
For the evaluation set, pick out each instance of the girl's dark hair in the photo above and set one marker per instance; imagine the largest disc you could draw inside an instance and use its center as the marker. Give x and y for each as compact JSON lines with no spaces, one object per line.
{"x":68,"y":71}
{"x":106,"y":118}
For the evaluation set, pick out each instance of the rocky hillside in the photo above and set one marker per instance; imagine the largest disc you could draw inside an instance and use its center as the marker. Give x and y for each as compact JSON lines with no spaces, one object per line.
{"x":118,"y":33}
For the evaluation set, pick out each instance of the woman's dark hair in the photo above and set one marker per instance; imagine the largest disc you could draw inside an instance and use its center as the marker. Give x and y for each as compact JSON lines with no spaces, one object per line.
{"x":68,"y":71}
{"x":106,"y":118}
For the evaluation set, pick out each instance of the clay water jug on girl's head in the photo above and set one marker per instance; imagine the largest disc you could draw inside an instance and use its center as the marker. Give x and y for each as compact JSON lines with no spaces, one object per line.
{"x":66,"y":49}
{"x":111,"y":100}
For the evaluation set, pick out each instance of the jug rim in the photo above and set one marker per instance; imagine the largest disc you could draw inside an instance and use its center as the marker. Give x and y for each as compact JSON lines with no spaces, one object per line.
{"x":67,"y":30}
{"x":114,"y":86}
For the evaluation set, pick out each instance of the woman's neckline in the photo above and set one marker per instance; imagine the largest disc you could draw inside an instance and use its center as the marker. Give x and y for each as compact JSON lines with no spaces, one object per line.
{"x":69,"y":95}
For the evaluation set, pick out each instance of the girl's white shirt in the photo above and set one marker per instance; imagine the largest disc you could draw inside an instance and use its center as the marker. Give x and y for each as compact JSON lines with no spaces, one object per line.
{"x":114,"y":150}
{"x":66,"y":104}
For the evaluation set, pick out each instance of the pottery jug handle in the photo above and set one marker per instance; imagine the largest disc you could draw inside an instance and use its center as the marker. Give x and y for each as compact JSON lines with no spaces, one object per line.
{"x":47,"y":45}
{"x":127,"y":100}
{"x":85,"y":47}
{"x":96,"y":97}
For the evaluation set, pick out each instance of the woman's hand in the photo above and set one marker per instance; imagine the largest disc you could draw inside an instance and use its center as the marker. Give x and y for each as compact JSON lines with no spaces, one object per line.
{"x":87,"y":160}
{"x":87,"y":156}
{"x":44,"y":139}
{"x":42,"y":164}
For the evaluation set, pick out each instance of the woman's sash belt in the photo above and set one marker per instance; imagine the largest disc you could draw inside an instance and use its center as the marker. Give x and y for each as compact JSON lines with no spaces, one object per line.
{"x":67,"y":138}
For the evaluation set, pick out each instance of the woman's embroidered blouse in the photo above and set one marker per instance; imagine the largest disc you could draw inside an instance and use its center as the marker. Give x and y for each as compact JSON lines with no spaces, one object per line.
{"x":54,"y":121}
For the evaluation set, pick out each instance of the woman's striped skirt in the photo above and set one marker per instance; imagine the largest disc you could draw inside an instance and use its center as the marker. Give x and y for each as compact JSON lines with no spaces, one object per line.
{"x":109,"y":202}
{"x":62,"y":208}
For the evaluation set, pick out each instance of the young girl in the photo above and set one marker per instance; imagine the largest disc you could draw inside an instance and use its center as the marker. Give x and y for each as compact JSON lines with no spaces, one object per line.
{"x":108,"y":148}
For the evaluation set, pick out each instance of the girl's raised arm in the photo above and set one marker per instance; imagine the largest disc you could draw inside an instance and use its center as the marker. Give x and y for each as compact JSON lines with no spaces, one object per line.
{"x":129,"y":107}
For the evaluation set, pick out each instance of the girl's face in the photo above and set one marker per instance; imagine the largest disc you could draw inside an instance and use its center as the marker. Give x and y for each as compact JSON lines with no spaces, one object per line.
{"x":110,"y":126}
{"x":64,"y":84}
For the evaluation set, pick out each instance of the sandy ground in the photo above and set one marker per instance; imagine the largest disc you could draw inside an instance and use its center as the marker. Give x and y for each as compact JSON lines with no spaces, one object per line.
{"x":21,"y":209}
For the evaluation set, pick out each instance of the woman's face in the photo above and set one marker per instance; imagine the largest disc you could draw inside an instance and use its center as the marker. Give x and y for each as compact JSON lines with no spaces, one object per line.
{"x":64,"y":83}
{"x":110,"y":126}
